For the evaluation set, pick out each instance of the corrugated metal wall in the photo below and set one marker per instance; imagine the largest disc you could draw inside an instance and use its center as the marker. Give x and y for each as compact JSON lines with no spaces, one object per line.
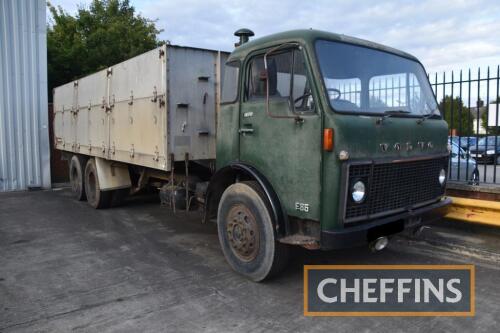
{"x":24,"y":143}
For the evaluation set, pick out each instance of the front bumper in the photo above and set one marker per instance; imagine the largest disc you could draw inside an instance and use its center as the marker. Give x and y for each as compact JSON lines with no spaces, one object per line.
{"x":482,"y":157}
{"x":361,"y":234}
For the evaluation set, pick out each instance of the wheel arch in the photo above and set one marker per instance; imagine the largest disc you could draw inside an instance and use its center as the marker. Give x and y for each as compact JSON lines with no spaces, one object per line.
{"x":238,"y":171}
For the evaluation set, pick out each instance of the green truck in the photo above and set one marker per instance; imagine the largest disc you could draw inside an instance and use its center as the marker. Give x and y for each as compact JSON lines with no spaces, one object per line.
{"x":304,"y":138}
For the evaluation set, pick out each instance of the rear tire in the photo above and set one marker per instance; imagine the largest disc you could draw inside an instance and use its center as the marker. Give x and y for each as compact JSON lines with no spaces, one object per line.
{"x":76,"y":177}
{"x":475,"y":177}
{"x":95,"y":196}
{"x":247,"y":235}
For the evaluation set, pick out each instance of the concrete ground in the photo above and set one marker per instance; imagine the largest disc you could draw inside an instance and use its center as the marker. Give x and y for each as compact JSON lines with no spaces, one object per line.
{"x":66,"y":267}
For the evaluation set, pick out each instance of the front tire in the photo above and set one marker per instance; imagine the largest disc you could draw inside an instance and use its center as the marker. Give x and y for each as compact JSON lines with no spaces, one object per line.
{"x":246,"y":233}
{"x":95,"y":196}
{"x":475,"y":177}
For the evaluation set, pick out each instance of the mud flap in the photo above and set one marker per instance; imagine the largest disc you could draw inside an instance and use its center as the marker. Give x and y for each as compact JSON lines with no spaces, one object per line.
{"x":112,"y":175}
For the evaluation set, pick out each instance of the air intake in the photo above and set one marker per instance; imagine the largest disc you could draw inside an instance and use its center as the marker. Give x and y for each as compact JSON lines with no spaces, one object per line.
{"x":244,"y":35}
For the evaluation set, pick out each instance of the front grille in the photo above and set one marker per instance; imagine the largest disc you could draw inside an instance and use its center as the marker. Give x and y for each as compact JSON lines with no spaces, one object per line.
{"x":394,"y":186}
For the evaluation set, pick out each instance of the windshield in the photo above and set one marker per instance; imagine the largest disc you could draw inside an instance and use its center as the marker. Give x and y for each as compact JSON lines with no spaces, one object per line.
{"x":364,"y":80}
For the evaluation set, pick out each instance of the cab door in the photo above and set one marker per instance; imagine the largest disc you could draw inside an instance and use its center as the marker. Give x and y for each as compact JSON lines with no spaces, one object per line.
{"x":283,"y":140}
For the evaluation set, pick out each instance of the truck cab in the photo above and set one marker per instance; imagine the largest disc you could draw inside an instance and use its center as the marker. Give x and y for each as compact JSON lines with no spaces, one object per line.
{"x":323,"y":141}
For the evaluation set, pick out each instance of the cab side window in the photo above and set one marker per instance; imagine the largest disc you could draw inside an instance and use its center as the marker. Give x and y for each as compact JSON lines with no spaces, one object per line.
{"x":279,"y":72}
{"x":301,"y":88}
{"x":287,"y":77}
{"x":230,"y":82}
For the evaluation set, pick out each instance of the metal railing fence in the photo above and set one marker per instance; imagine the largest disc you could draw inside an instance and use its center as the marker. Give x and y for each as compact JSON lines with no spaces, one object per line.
{"x":469,"y":101}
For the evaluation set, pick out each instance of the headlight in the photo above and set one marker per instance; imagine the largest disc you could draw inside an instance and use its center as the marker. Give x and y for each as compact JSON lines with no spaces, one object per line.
{"x":442,"y":176}
{"x":490,"y":152}
{"x":358,"y":191}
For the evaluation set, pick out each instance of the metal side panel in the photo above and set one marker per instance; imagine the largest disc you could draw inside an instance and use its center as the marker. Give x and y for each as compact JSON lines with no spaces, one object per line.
{"x":193,"y":81}
{"x":64,"y":116}
{"x":58,"y":129}
{"x":91,"y":131}
{"x":138,"y":124}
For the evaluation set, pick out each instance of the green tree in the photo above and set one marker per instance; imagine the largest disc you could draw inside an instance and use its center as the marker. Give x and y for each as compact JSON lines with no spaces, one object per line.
{"x":105,"y":33}
{"x":455,"y":108}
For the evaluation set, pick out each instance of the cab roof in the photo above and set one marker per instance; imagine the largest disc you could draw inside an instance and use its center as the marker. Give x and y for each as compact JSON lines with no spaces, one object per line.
{"x":308,"y":36}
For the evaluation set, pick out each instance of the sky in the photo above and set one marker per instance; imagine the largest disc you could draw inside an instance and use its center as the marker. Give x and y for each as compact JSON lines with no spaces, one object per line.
{"x":445,"y":35}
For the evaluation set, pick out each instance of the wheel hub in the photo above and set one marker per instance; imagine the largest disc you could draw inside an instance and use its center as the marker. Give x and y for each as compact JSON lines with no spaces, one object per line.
{"x":242,"y":233}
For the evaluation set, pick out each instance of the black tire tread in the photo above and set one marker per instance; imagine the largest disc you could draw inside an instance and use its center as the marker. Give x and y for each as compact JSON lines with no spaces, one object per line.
{"x":81,"y":162}
{"x":282,"y":251}
{"x":104,"y":197}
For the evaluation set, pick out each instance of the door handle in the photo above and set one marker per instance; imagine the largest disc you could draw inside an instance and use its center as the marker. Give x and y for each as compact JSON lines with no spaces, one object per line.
{"x":245,"y":131}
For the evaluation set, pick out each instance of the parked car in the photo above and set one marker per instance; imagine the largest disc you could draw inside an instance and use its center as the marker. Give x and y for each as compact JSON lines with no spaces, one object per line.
{"x":465,"y":142}
{"x":487,"y":150}
{"x":466,"y":164}
{"x":468,"y":142}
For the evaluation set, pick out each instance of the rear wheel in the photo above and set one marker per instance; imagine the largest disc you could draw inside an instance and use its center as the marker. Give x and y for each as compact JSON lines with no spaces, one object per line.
{"x":95,"y":196}
{"x":76,"y":177}
{"x":498,"y":160}
{"x":246,"y":233}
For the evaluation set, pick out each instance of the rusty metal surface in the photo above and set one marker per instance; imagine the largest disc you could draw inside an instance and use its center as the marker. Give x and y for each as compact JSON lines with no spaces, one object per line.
{"x":306,"y":241}
{"x":243,"y":233}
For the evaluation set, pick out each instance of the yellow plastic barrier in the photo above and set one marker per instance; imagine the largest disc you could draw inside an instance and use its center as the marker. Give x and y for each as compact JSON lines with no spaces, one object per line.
{"x":475,"y":211}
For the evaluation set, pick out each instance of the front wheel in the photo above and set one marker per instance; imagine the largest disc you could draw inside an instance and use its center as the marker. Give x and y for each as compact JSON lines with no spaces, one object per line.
{"x":246,"y":233}
{"x":475,"y":177}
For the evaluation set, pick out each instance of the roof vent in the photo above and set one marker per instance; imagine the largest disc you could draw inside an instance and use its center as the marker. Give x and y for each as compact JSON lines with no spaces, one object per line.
{"x":244,"y":35}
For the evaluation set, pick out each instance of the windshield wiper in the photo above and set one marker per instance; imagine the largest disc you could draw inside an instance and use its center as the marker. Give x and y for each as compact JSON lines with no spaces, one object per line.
{"x":425,"y":116}
{"x":390,"y":113}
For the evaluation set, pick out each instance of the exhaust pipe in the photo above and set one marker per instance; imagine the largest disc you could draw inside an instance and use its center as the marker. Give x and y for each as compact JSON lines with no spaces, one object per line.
{"x":379,"y":244}
{"x":244,"y":35}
